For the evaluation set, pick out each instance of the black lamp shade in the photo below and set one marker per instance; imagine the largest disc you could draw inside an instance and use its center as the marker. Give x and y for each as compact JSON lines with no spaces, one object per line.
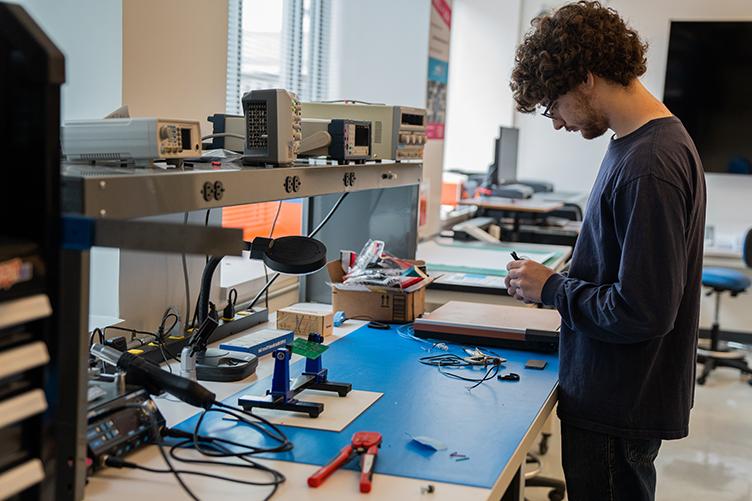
{"x":294,"y":255}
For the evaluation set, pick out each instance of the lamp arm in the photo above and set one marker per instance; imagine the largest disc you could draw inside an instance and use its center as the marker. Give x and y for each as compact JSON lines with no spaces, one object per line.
{"x":205,"y":290}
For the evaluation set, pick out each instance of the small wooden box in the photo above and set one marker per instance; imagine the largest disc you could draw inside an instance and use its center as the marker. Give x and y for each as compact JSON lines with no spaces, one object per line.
{"x":304,"y":320}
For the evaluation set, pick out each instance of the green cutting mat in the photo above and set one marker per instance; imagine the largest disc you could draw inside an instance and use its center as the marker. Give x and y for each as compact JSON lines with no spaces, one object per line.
{"x":499,"y":272}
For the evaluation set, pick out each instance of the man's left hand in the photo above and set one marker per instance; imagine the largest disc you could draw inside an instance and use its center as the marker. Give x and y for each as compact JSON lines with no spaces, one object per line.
{"x":525,"y":280}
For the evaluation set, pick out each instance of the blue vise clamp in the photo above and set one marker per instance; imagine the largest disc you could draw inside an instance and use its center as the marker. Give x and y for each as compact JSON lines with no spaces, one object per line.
{"x":282,"y":395}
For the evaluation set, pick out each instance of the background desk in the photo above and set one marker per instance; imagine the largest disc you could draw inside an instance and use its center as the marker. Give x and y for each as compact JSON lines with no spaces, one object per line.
{"x":514,"y":204}
{"x":536,"y":212}
{"x":494,"y":425}
{"x":469,"y":283}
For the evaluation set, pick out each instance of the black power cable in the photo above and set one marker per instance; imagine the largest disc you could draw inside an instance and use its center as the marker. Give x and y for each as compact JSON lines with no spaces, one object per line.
{"x":186,"y":282}
{"x":160,"y":337}
{"x":217,"y":448}
{"x":118,"y":462}
{"x":271,"y":235}
{"x":155,"y":380}
{"x":310,"y":235}
{"x":452,"y":361}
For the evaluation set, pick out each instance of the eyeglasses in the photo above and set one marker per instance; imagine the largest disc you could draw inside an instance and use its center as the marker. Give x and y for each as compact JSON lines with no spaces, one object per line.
{"x":548,"y":110}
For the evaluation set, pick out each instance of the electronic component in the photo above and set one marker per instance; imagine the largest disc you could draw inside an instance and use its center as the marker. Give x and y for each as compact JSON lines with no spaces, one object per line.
{"x":397,"y":132}
{"x":148,"y":375}
{"x":120,"y":425}
{"x":351,"y":140}
{"x":226,"y":129}
{"x":536,"y":364}
{"x":131,"y":139}
{"x":273,"y":129}
{"x":343,"y":140}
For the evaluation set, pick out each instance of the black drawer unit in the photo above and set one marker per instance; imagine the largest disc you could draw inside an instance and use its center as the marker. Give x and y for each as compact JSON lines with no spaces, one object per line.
{"x":26,"y":436}
{"x":32,"y":70}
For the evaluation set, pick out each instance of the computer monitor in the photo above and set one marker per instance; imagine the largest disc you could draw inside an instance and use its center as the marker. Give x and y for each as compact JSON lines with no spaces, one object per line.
{"x":503,"y":170}
{"x":708,"y":80}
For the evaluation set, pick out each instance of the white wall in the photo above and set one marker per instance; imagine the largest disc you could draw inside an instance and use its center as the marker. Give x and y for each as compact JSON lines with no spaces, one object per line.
{"x":571,"y":163}
{"x":93,"y":71}
{"x":380,"y":51}
{"x":153,"y":86}
{"x":484,"y":37}
{"x":93,"y":88}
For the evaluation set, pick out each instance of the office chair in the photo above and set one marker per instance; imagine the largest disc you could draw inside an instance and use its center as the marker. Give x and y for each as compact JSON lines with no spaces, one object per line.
{"x":570,"y":211}
{"x":533,"y":467}
{"x":718,"y":281}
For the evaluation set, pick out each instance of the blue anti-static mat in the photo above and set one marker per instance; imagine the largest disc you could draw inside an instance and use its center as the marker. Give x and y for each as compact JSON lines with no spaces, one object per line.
{"x":486,"y":424}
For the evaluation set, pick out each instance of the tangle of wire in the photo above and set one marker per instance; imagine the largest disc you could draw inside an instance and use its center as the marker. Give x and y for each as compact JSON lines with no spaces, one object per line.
{"x":407,"y":332}
{"x":452,"y":361}
{"x":216,"y":449}
{"x":160,"y":337}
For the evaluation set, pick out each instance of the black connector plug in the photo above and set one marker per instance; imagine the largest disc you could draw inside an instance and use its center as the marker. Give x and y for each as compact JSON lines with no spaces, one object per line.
{"x":228,"y":314}
{"x":118,"y":342}
{"x":213,"y":312}
{"x":117,"y":462}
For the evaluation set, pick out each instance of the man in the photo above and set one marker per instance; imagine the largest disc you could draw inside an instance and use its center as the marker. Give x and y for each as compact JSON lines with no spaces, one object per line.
{"x":630,"y":304}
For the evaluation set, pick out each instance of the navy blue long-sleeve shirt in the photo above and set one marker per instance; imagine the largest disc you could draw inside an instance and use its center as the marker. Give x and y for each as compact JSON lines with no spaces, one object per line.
{"x":630,"y":304}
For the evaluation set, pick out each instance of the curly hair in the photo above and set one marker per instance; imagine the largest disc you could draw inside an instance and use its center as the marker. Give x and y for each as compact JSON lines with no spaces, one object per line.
{"x":561,"y":48}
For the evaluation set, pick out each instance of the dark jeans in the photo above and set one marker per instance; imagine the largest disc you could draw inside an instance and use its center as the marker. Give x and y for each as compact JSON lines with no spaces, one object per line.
{"x":602,"y":467}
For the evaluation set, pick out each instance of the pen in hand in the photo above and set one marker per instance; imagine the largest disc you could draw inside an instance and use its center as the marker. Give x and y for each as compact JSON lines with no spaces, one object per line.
{"x":515,"y":256}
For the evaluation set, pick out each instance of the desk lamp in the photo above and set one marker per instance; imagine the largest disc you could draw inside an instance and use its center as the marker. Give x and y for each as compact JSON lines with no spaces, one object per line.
{"x":291,"y":255}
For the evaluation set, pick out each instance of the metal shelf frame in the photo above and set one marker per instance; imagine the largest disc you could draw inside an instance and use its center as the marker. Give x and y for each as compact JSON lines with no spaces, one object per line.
{"x":113,"y":194}
{"x":125,"y":193}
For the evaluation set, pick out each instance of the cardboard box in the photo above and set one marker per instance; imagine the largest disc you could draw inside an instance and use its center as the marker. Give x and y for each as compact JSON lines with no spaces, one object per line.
{"x":380,"y":304}
{"x":304,"y":319}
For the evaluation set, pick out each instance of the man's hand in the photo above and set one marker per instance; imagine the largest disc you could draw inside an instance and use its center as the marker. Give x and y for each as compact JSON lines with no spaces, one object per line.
{"x":525,"y":280}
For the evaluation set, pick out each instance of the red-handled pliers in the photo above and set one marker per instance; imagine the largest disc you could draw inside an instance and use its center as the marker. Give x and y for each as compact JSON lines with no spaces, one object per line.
{"x":365,"y":444}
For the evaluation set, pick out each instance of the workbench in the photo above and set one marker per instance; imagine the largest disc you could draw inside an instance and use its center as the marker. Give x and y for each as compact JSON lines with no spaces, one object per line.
{"x":494,"y":425}
{"x":531,"y":217}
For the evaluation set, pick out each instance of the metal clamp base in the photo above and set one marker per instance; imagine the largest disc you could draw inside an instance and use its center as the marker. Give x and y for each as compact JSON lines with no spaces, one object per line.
{"x":282,"y":397}
{"x":313,"y":409}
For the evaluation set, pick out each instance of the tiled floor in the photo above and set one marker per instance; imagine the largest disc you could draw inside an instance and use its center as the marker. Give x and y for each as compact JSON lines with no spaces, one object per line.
{"x":713,"y":463}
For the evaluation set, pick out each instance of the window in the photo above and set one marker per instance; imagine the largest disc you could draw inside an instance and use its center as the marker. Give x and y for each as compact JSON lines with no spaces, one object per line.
{"x":278,"y":44}
{"x":273,"y":44}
